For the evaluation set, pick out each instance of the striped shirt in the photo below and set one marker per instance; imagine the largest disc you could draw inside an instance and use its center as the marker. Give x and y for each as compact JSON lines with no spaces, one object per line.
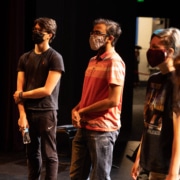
{"x":98,"y":76}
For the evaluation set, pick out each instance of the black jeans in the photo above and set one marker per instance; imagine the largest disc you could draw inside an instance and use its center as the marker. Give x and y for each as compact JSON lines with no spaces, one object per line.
{"x":42,"y":130}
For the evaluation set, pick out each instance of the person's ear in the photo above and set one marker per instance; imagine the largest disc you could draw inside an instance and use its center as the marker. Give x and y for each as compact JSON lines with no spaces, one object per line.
{"x":170,"y":52}
{"x":50,"y":35}
{"x":110,"y":38}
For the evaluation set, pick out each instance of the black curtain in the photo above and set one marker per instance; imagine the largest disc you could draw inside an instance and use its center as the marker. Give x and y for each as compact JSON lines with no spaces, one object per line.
{"x":13,"y":44}
{"x":74,"y":19}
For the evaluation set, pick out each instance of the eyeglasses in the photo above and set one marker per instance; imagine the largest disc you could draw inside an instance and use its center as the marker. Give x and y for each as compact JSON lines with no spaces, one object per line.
{"x":98,"y":33}
{"x":38,"y":30}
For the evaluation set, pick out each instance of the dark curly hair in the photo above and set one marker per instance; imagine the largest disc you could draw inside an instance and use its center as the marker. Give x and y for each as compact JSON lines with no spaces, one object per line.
{"x":47,"y":24}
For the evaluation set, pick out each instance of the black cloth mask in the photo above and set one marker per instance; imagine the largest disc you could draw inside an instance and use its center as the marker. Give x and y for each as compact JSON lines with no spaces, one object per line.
{"x":37,"y":37}
{"x":155,"y":57}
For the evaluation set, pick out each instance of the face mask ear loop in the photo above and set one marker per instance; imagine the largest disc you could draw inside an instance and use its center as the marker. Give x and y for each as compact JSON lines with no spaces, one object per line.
{"x":166,"y":54}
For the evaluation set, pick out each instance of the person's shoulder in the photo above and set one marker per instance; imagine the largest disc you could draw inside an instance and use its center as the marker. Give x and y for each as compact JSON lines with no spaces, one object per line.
{"x":93,"y":58}
{"x":155,"y":75}
{"x":159,"y":77}
{"x":158,"y":73}
{"x":25,"y":54}
{"x":54,"y":51}
{"x":116,"y":56}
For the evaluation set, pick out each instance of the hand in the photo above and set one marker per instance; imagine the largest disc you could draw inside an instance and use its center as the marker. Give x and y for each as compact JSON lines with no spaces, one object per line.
{"x":134,"y":171}
{"x":17,"y":99}
{"x":23,"y":123}
{"x":76,"y":118}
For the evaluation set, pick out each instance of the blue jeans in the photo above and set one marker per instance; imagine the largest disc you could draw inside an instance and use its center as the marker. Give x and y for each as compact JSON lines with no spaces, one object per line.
{"x":92,"y":154}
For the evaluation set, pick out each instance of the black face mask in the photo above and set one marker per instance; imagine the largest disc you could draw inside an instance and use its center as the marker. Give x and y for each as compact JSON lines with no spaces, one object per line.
{"x":37,"y":37}
{"x":155,"y":57}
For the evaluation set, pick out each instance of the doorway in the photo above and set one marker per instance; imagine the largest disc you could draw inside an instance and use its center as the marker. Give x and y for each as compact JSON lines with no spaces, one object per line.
{"x":145,"y":26}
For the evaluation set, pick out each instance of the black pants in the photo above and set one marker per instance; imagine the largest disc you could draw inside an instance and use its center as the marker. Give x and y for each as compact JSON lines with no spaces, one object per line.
{"x":42,"y":132}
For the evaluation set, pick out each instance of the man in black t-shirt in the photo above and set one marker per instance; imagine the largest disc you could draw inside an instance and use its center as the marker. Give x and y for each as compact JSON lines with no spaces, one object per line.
{"x":38,"y":83}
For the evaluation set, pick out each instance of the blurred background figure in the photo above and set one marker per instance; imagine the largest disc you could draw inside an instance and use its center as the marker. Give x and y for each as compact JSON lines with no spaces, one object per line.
{"x":136,"y":64}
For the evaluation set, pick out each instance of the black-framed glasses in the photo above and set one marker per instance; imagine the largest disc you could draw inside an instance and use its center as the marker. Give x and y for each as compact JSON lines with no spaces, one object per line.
{"x":98,"y":33}
{"x":39,"y":30}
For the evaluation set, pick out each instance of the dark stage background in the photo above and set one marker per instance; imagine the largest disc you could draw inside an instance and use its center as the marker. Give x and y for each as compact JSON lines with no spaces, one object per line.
{"x":74,"y":19}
